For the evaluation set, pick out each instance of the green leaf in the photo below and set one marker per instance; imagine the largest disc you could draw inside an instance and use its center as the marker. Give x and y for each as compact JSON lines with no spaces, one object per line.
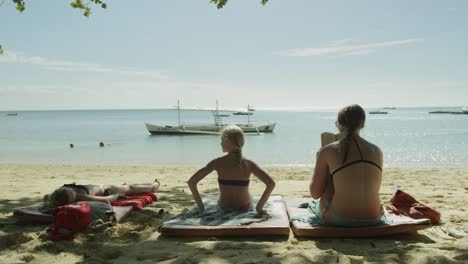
{"x":221,"y":3}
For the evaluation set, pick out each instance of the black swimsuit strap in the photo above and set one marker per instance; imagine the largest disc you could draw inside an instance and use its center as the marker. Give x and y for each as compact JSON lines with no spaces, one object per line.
{"x":359,"y":149}
{"x":356,"y":161}
{"x":233,"y":182}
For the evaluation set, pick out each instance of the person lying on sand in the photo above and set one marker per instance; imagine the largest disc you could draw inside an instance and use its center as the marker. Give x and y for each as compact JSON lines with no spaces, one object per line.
{"x":348,"y":174}
{"x":70,"y":193}
{"x":233,"y":175}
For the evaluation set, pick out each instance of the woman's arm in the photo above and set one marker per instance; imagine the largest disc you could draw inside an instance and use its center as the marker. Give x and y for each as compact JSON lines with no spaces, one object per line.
{"x":319,"y":180}
{"x":269,"y":182}
{"x":192,"y":183}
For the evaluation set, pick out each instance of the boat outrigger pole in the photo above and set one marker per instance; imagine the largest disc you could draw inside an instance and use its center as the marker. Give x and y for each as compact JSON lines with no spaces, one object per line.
{"x":248,"y":115}
{"x":178,"y":112}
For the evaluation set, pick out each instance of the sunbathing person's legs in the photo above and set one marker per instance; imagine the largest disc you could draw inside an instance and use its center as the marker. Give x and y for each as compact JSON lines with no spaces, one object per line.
{"x":133,"y":188}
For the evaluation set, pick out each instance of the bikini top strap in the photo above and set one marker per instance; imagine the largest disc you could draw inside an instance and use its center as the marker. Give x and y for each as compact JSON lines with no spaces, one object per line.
{"x":354,"y":162}
{"x":359,"y":149}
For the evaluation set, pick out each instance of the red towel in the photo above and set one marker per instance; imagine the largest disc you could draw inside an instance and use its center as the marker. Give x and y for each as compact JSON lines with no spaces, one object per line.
{"x":138,"y":200}
{"x":403,"y":203}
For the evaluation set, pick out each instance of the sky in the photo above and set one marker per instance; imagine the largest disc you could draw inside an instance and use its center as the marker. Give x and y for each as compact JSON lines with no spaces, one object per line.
{"x":302,"y":54}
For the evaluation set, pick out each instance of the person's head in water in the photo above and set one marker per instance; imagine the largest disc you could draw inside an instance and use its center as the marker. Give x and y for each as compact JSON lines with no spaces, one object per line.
{"x":61,"y":196}
{"x":72,"y":146}
{"x":232,"y":141}
{"x":101,"y":144}
{"x":351,"y":120}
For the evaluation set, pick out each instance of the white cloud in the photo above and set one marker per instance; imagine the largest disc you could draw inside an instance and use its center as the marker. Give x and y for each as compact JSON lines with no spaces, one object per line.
{"x":70,"y":66}
{"x":348,"y":49}
{"x":343,"y":41}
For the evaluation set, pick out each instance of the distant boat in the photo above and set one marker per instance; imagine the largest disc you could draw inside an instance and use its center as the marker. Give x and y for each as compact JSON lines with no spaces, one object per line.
{"x":249,"y":112}
{"x":12,"y":114}
{"x":378,"y":112}
{"x":464,"y":111}
{"x":242,"y":113}
{"x":208,"y":129}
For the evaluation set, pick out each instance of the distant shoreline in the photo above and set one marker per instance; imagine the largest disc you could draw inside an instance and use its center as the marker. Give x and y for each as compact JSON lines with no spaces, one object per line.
{"x":279,"y":109}
{"x":195,"y":166}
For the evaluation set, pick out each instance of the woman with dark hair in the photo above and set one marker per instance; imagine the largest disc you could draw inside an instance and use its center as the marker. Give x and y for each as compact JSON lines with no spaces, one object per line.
{"x":348,"y":175}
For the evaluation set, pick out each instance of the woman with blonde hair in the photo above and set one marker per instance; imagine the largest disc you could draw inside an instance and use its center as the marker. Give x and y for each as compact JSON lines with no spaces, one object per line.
{"x":233,"y":175}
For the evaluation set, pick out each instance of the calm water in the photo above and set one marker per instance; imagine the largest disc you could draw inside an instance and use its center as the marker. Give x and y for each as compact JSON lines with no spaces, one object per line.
{"x":408,"y":137}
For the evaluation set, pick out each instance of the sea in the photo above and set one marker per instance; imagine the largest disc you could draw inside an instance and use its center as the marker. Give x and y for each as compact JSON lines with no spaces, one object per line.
{"x":407,"y":137}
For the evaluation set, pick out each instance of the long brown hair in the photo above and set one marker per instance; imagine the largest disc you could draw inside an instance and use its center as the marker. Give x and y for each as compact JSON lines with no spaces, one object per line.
{"x":234,"y":135}
{"x":351,"y":117}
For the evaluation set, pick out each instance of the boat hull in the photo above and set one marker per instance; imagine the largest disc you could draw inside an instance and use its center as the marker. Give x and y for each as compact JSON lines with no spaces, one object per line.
{"x":205,"y":129}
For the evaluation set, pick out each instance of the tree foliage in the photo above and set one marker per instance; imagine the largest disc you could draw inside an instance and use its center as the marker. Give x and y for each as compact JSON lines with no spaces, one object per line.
{"x":221,"y":3}
{"x":86,"y":7}
{"x":79,"y":4}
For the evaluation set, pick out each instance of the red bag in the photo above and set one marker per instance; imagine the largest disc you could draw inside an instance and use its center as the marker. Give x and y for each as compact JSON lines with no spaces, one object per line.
{"x":69,"y":219}
{"x":403,"y":203}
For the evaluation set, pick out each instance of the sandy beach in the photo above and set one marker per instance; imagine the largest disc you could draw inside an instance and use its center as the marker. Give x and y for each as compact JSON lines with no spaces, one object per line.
{"x":136,"y":239}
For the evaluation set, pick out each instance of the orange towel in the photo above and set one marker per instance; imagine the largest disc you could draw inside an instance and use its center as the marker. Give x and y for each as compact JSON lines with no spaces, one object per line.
{"x":403,"y":203}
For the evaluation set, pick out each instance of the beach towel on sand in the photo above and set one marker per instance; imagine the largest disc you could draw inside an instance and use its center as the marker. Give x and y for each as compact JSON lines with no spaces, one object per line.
{"x":405,"y":204}
{"x":138,"y":201}
{"x":215,"y":216}
{"x":314,"y":217}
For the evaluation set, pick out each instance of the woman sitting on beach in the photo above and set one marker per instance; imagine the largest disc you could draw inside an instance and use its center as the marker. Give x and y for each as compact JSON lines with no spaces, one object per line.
{"x":70,"y":193}
{"x":348,"y":175}
{"x":233,"y":175}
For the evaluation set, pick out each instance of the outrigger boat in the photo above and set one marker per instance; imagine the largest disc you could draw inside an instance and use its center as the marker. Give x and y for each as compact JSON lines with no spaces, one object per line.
{"x":208,"y":129}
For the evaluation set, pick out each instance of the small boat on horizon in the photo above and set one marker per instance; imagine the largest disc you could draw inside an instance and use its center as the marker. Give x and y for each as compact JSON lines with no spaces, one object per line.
{"x":12,"y":114}
{"x":242,"y":113}
{"x":464,"y":111}
{"x":378,"y":112}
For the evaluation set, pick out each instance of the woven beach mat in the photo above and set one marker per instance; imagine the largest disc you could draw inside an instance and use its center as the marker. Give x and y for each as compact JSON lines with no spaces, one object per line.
{"x":276,"y":224}
{"x":398,"y":224}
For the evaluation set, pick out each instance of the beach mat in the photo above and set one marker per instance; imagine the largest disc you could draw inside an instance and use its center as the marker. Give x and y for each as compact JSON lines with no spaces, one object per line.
{"x":398,"y":225}
{"x":34,"y":216}
{"x":277,"y":225}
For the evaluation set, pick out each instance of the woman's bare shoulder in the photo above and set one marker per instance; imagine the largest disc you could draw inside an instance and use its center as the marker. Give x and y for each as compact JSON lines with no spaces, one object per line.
{"x":374,"y":148}
{"x":330,"y":149}
{"x":215,"y":162}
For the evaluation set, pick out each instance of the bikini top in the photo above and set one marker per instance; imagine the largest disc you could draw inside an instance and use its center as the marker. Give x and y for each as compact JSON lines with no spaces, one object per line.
{"x":356,"y":161}
{"x":233,"y":182}
{"x":77,"y":187}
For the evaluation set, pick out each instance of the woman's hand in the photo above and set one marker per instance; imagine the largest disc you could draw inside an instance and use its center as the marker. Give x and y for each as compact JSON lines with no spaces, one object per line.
{"x":201,"y":209}
{"x":259,"y":209}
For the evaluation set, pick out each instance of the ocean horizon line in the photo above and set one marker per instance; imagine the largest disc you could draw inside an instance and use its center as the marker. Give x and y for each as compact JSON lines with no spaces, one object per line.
{"x":283,"y":109}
